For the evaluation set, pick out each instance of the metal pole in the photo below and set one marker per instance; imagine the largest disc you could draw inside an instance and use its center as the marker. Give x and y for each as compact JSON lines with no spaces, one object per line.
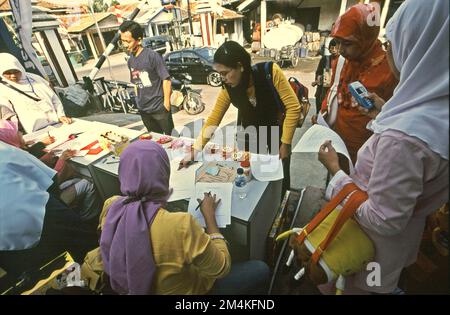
{"x":263,"y":21}
{"x":384,"y":13}
{"x":100,"y":35}
{"x":191,"y":29}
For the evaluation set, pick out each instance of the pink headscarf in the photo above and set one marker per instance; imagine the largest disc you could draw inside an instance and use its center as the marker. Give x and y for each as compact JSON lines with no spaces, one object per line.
{"x":8,"y":132}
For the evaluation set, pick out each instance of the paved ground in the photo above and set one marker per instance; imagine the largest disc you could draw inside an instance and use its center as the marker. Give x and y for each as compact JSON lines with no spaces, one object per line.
{"x":305,"y":169}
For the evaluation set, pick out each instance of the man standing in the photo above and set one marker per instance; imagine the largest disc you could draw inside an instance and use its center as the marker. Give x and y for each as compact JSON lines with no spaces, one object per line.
{"x":151,"y":78}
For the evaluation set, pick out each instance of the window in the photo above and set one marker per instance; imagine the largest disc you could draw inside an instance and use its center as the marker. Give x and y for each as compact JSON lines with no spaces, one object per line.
{"x":225,"y":27}
{"x":207,"y":53}
{"x":175,"y":58}
{"x":190,"y":57}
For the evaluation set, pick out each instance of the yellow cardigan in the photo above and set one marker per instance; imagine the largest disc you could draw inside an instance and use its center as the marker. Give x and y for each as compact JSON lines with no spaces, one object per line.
{"x":187,"y":260}
{"x":288,"y":98}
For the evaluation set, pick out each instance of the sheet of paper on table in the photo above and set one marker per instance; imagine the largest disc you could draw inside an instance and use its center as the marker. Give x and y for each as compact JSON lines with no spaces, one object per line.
{"x":315,"y":136}
{"x":223,"y":191}
{"x":83,"y":130}
{"x":182,"y":181}
{"x":217,"y":172}
{"x":266,"y":168}
{"x":81,"y":141}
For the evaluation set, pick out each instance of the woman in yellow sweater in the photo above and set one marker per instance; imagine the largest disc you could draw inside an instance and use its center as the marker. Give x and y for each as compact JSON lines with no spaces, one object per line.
{"x":246,"y":87}
{"x":148,"y":250}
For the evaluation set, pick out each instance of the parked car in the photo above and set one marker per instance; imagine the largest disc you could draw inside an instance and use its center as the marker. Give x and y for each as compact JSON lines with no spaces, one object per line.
{"x":197,"y":62}
{"x":158,"y":43}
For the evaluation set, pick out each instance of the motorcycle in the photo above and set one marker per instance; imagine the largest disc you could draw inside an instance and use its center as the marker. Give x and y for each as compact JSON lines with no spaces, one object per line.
{"x":183,"y":97}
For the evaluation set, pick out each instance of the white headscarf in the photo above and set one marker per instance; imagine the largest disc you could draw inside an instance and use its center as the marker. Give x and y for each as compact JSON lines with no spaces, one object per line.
{"x":32,"y":114}
{"x":24,"y":181}
{"x":419,"y":33}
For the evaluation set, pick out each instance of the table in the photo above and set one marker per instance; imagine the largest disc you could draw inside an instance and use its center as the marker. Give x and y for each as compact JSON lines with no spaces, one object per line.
{"x":91,"y":131}
{"x":251,"y":218}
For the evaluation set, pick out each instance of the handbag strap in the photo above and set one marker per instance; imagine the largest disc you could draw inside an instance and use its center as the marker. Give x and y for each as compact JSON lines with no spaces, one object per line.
{"x":18,"y":90}
{"x":326,"y":210}
{"x":335,"y":85}
{"x":349,"y":209}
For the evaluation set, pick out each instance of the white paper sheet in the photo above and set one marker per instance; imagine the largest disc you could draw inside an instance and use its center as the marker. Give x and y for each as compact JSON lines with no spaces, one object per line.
{"x":315,"y":136}
{"x":62,"y":133}
{"x":321,"y":121}
{"x":182,"y":181}
{"x":223,"y":191}
{"x":266,"y":168}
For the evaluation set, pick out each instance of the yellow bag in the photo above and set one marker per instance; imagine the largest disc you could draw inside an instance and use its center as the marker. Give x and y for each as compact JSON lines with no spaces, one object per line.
{"x":333,"y":245}
{"x":92,"y":271}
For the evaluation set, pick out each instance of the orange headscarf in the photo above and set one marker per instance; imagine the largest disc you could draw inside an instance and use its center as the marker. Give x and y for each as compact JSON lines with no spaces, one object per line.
{"x":357,"y":25}
{"x":372,"y":70}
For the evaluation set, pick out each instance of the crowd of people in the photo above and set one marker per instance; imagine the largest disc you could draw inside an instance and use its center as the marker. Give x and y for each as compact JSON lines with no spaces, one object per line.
{"x":399,"y":148}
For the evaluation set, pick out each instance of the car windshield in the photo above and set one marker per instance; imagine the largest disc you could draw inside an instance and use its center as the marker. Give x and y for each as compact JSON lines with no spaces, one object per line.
{"x":207,"y":53}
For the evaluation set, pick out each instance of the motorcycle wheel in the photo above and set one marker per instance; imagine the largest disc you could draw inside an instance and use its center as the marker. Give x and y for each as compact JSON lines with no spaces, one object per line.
{"x":214,"y":79}
{"x":193,"y":104}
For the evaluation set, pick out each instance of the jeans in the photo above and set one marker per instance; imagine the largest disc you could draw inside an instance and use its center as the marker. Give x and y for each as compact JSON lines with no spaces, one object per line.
{"x":246,"y":278}
{"x":158,"y":122}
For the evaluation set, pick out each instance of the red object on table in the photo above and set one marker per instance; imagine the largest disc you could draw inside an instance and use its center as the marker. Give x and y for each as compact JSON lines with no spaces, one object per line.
{"x":164,"y":140}
{"x":146,"y":137}
{"x":94,"y":151}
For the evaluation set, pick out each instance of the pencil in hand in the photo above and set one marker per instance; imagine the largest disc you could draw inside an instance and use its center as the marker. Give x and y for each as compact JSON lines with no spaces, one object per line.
{"x":200,"y":203}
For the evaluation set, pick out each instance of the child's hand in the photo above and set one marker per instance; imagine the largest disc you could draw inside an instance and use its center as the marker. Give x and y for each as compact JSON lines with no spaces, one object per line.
{"x":67,"y":154}
{"x":48,"y":140}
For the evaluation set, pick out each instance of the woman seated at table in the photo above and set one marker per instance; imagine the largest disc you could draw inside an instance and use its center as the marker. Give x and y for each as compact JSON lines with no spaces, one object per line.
{"x":147,"y":250}
{"x":29,"y":95}
{"x":73,"y":190}
{"x":35,"y":225}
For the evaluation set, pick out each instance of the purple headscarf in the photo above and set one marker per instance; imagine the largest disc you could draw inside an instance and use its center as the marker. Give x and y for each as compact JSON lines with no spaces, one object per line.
{"x":125,"y":245}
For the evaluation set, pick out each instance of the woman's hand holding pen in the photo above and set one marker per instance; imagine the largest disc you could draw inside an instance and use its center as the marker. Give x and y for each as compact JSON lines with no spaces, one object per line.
{"x":208,"y":208}
{"x":48,"y":140}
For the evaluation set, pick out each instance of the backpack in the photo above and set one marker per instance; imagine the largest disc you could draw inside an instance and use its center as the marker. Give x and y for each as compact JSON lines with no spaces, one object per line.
{"x":300,"y":91}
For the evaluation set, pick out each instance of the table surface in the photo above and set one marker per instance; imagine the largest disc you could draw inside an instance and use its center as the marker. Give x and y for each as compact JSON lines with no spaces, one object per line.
{"x":91,"y":132}
{"x":241,"y":209}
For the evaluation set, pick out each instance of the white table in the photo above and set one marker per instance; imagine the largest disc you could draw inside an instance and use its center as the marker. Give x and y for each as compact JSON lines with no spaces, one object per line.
{"x":251,"y":217}
{"x":91,"y":132}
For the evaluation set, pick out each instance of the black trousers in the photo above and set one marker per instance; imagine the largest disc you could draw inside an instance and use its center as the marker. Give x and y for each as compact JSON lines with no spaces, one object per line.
{"x":158,"y":122}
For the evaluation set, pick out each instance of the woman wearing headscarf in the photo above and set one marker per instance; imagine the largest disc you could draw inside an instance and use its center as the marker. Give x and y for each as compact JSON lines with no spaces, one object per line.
{"x":250,"y":91}
{"x":35,"y":225}
{"x":148,"y":250}
{"x":29,"y":96}
{"x":357,"y":38}
{"x":403,"y":167}
{"x":73,"y":189}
